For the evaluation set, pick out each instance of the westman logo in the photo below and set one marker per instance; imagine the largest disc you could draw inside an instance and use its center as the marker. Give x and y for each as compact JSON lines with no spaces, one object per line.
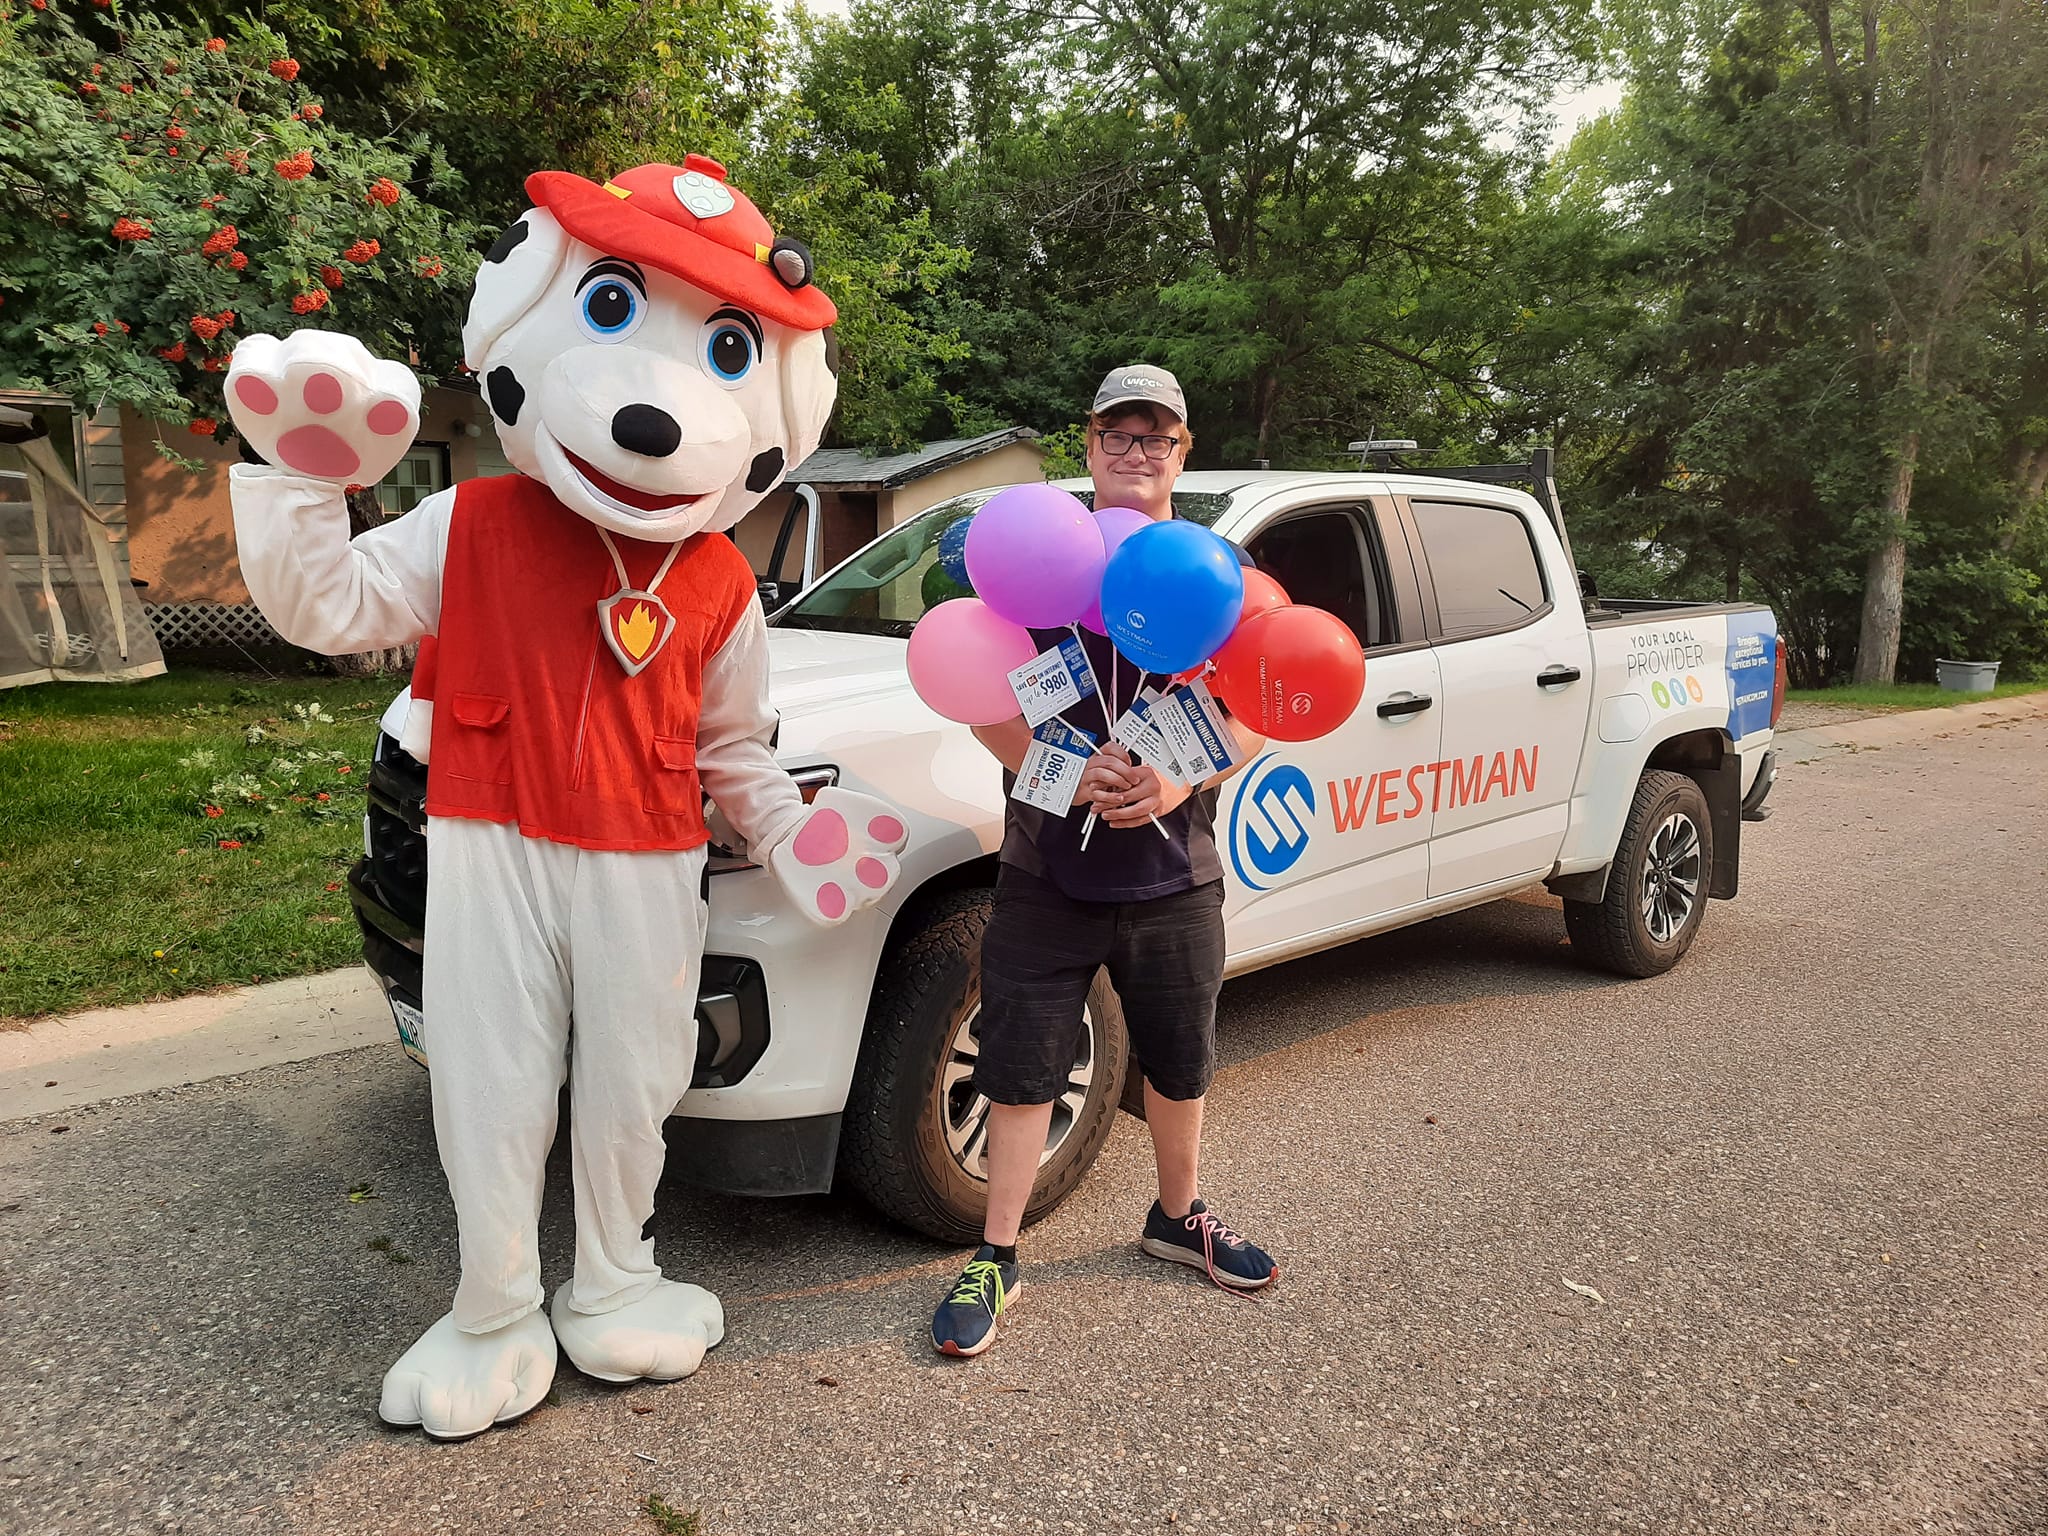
{"x":1270,"y":822}
{"x":1392,"y":795}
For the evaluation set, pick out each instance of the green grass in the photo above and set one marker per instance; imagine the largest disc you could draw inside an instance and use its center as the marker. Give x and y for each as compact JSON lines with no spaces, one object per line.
{"x":671,"y":1521}
{"x":108,"y":855}
{"x":1905,"y":695}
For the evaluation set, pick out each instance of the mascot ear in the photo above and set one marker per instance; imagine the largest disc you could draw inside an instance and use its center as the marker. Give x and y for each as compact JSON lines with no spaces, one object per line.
{"x":516,"y":271}
{"x":810,"y":386}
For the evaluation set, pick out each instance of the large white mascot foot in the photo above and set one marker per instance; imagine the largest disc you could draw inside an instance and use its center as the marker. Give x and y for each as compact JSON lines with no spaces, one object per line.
{"x":660,"y":1337}
{"x":454,"y":1384}
{"x":843,"y":856}
{"x":318,"y":404}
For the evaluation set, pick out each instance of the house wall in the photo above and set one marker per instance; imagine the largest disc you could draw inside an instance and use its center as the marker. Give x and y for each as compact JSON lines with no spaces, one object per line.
{"x":1011,"y":464}
{"x":181,"y":529}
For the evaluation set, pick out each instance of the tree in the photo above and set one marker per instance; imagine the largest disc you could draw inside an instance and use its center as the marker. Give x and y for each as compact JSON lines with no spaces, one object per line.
{"x":1939,"y":109}
{"x":163,"y":193}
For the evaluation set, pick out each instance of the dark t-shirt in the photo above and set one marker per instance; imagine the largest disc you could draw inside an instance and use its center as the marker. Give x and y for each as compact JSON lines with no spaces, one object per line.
{"x":1120,"y":863}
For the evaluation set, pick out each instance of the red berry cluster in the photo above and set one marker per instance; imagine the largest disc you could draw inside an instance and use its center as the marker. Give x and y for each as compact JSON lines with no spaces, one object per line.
{"x":206,"y":327}
{"x":174,"y":132}
{"x":131,"y":229}
{"x":306,"y":303}
{"x":430,"y":266}
{"x":331,"y":276}
{"x":222,"y":239}
{"x":239,"y":260}
{"x":237,"y":159}
{"x":285,"y":69}
{"x":216,"y":45}
{"x":298,"y":167}
{"x":384,"y":190}
{"x":362,"y":251}
{"x":311,"y":112}
{"x":173,"y":354}
{"x":204,"y":426}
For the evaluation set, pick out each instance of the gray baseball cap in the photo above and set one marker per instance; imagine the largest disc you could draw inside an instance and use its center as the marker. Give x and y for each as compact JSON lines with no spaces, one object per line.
{"x":1136,"y":382}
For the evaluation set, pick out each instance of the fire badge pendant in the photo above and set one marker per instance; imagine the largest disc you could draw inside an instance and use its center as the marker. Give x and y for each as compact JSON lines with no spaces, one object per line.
{"x":636,"y":626}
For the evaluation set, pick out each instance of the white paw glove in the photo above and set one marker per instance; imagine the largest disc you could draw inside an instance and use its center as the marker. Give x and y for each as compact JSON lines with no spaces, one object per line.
{"x":842,"y":857}
{"x":318,"y":404}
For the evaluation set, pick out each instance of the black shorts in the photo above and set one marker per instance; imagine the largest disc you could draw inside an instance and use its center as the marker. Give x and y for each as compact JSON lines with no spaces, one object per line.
{"x":1040,"y":956}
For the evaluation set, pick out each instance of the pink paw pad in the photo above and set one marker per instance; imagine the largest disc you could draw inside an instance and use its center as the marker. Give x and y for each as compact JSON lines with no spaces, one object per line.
{"x":318,"y":451}
{"x":823,"y":840}
{"x":256,"y":395}
{"x":831,"y":901}
{"x":871,"y":873}
{"x":885,"y":829}
{"x":322,"y":393}
{"x":388,"y":418}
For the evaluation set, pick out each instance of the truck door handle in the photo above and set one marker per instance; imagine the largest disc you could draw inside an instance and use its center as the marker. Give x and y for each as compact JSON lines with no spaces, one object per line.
{"x":1414,"y":704}
{"x":1556,"y":677}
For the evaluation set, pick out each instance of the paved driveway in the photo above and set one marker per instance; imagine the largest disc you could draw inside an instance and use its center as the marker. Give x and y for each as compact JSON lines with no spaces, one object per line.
{"x":1804,"y":1172}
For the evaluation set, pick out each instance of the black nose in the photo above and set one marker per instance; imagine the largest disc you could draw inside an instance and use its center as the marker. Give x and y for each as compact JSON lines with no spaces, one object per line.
{"x":646,"y":429}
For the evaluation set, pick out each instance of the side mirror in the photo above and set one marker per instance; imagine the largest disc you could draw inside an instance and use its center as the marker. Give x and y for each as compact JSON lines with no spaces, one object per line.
{"x":771,"y":594}
{"x":1588,"y":587}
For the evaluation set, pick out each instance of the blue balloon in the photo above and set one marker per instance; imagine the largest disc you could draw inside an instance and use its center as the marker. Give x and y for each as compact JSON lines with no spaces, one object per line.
{"x":1171,"y":594}
{"x":953,"y":549}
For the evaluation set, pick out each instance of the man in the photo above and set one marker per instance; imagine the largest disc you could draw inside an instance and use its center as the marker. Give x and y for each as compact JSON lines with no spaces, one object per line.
{"x":1147,"y":908}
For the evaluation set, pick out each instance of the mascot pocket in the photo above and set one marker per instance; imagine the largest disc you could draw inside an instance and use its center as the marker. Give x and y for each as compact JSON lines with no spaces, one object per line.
{"x":673,"y":789}
{"x":479,"y":747}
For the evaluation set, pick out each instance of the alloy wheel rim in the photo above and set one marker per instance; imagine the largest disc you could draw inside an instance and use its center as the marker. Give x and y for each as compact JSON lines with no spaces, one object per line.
{"x":963,"y":1110}
{"x":1671,"y":877}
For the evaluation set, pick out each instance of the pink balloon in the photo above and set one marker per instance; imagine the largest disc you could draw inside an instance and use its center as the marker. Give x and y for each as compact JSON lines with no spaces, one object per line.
{"x":961,"y":656}
{"x":1035,"y":555}
{"x":1117,"y":524}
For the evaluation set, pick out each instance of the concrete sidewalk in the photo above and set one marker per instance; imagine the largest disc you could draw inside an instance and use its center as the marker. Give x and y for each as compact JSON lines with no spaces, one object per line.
{"x":83,"y":1058}
{"x":107,"y":1053}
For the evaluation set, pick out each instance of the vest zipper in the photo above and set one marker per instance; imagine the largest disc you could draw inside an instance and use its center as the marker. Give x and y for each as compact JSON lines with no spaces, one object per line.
{"x":583,"y":718}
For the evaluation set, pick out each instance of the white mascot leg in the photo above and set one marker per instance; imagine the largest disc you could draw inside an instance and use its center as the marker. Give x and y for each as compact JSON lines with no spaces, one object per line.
{"x":497,"y":996}
{"x":638,"y":942}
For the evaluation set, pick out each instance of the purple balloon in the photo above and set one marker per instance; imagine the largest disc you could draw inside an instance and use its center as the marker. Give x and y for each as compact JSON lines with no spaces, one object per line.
{"x":1035,"y":556}
{"x":1117,"y":524}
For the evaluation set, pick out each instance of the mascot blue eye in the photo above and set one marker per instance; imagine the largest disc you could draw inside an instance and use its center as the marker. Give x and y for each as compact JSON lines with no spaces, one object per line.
{"x":730,"y":352}
{"x":609,"y":309}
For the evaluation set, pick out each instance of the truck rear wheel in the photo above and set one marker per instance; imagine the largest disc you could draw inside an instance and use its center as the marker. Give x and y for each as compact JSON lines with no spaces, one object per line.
{"x":1657,"y":888}
{"x":914,"y":1138}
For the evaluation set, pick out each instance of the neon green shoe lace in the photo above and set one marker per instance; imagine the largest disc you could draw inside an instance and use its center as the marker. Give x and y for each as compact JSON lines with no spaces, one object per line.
{"x":975,"y":1281}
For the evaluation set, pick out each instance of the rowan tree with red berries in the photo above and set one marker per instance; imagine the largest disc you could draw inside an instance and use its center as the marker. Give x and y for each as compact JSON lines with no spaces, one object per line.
{"x":164,"y":193}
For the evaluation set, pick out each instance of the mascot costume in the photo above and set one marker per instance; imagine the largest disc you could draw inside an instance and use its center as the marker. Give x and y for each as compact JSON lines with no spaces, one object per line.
{"x":655,"y":359}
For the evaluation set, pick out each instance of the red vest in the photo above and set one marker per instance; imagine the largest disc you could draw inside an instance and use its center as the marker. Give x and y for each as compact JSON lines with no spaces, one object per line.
{"x":535,"y":721}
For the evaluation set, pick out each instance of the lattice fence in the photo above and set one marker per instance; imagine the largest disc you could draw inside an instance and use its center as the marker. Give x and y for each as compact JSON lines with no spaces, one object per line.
{"x":189,"y":626}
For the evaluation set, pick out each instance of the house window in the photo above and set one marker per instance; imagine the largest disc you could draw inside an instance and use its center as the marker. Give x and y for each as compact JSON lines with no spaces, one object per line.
{"x":423,"y":471}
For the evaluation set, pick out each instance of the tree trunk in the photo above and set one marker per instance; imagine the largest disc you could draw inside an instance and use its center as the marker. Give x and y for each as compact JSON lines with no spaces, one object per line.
{"x":1884,"y":584}
{"x":364,"y":513}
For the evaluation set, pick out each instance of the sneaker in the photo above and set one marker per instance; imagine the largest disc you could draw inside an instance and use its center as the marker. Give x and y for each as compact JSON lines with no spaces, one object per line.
{"x":1200,"y":1238}
{"x":965,"y":1323}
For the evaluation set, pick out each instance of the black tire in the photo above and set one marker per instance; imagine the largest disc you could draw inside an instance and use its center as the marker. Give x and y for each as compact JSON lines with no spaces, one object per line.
{"x":1651,"y":865}
{"x":893,"y":1142}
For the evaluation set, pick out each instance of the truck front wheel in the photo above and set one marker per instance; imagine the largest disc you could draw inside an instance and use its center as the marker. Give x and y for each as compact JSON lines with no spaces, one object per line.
{"x":915,"y":1138}
{"x":1657,"y":886}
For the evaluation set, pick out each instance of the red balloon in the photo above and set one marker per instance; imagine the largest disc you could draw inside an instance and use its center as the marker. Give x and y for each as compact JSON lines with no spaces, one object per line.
{"x":1291,"y":674}
{"x":1262,"y":594}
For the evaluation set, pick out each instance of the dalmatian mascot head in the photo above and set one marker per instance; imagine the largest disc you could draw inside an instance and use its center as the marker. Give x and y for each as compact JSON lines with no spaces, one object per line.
{"x":651,"y":351}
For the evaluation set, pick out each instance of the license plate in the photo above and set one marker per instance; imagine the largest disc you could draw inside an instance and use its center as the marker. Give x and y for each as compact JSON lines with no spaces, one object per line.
{"x":412,"y":1029}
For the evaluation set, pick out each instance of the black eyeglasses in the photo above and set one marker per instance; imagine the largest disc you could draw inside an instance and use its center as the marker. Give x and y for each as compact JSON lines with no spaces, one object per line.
{"x":1158,"y":445}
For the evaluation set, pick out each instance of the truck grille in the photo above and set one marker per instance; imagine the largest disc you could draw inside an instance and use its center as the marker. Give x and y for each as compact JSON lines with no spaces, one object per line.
{"x":397,"y":851}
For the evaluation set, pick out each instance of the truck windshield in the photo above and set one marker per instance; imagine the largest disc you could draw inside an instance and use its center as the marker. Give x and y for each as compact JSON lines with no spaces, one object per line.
{"x":886,"y":588}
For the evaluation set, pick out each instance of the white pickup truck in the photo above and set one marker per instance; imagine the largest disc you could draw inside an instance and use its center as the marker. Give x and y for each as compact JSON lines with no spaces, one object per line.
{"x":1511,"y":735}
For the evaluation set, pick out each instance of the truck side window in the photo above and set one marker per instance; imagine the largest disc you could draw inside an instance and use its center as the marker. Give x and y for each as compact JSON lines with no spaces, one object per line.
{"x":1483,"y":564}
{"x":1320,"y":558}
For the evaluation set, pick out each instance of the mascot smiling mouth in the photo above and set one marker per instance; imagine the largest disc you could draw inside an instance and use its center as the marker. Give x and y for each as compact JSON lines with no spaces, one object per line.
{"x":628,"y":498}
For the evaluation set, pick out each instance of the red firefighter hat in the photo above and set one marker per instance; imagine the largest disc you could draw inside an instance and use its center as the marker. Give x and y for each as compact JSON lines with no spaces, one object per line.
{"x":686,"y":221}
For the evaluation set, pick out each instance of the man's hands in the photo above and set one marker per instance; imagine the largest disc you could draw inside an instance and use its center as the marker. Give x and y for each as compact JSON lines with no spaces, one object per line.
{"x":1124,"y":793}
